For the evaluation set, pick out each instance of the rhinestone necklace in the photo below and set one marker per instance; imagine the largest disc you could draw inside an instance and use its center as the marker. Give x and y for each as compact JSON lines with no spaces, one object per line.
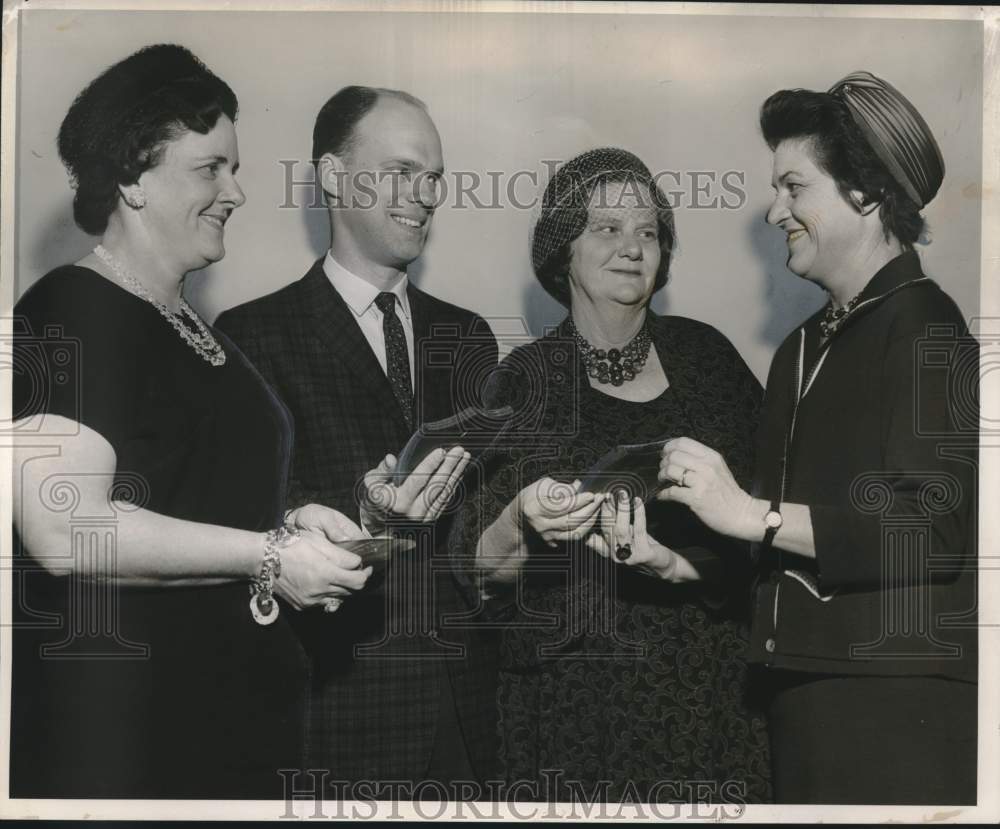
{"x":200,"y":340}
{"x":614,"y":366}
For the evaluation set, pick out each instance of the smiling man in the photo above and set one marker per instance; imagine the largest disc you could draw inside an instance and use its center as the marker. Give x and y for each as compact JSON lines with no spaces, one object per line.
{"x":356,"y":352}
{"x":381,"y":180}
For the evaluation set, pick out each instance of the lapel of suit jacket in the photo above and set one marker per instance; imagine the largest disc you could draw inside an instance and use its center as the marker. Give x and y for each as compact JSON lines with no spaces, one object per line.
{"x":420,"y":314}
{"x":339,"y":331}
{"x":432,"y":389}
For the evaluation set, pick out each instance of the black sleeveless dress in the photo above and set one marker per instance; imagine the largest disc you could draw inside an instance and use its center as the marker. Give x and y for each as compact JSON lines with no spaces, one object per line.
{"x":148,"y":692}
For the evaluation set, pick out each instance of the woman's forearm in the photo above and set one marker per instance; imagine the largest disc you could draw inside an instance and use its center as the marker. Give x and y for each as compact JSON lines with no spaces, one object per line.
{"x":131,"y":544}
{"x":502,"y":550}
{"x":147,"y":549}
{"x":187,"y":553}
{"x":795,"y":535}
{"x":683,"y":570}
{"x":673,"y":567}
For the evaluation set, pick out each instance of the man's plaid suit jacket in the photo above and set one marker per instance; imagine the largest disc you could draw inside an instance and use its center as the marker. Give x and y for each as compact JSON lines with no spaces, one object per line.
{"x":374,"y":711}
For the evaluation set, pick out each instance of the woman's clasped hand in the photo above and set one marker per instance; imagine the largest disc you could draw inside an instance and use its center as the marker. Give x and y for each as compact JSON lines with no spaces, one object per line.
{"x":623,"y":537}
{"x":315,"y":569}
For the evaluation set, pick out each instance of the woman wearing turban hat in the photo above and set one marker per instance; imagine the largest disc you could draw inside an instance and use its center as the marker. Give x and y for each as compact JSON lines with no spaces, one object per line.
{"x":622,"y":649}
{"x":149,"y":658}
{"x":862,"y":509}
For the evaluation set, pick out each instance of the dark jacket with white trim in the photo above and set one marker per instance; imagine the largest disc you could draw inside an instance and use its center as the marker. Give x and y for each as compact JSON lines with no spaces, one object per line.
{"x":885,"y":454}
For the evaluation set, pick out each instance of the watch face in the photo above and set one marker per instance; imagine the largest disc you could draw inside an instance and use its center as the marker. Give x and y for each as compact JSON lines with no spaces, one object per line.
{"x":773,"y":519}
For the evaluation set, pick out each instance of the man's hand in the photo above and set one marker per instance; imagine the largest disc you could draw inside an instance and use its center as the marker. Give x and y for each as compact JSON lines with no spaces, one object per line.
{"x":421,"y":497}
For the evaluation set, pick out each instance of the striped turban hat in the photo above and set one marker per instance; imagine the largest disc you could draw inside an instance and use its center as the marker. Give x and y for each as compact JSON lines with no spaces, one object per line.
{"x":896,"y":132}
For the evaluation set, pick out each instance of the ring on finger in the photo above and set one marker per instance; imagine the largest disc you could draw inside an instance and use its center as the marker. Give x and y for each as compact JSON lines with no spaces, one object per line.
{"x":623,"y":552}
{"x":683,"y":481}
{"x":332,"y":605}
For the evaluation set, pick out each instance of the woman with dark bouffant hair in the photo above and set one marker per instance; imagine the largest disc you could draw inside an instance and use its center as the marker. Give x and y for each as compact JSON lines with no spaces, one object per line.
{"x":150,"y":656}
{"x":863,"y":503}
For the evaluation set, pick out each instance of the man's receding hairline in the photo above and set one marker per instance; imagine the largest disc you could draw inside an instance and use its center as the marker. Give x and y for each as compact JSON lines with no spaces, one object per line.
{"x":384,"y":93}
{"x":399,"y":95}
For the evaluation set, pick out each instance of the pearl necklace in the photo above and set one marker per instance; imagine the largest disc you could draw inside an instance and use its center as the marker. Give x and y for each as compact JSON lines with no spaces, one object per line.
{"x":613,"y":366}
{"x":202,"y":342}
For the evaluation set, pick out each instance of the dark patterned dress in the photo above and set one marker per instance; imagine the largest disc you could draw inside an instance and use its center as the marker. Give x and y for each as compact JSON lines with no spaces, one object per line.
{"x":610,"y":678}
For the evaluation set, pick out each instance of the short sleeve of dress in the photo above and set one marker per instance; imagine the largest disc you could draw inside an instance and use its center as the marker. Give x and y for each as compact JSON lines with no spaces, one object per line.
{"x":75,"y":352}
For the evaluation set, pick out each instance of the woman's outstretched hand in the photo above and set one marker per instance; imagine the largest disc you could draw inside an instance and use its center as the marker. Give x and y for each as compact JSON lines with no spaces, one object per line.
{"x":700,"y":478}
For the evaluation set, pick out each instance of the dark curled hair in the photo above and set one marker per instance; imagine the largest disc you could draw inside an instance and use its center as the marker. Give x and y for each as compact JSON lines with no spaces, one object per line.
{"x":840,"y":150}
{"x":565,"y":213}
{"x":118,"y":126}
{"x":339,"y":116}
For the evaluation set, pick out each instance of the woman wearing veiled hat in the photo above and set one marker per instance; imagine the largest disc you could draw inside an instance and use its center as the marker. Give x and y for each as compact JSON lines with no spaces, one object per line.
{"x":865,"y":480}
{"x":150,"y":659}
{"x":621,"y":652}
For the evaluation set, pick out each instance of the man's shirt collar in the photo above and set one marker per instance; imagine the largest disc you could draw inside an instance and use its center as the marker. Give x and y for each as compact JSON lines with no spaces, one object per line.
{"x":358,"y":293}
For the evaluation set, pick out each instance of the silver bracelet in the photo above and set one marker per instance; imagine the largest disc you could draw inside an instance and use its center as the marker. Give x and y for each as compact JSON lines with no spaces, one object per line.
{"x":263,"y":607}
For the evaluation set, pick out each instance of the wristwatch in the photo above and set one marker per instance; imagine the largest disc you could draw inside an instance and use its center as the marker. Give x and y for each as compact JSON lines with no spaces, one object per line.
{"x":772,"y":523}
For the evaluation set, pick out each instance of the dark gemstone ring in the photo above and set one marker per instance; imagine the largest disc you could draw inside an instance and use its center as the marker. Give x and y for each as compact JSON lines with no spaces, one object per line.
{"x":623,"y":552}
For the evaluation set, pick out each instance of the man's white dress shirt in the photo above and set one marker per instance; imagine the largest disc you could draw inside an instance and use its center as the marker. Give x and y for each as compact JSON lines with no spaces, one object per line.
{"x":359,"y":294}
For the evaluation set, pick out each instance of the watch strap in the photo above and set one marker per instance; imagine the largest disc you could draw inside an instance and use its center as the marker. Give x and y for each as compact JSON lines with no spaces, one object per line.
{"x":771,"y":530}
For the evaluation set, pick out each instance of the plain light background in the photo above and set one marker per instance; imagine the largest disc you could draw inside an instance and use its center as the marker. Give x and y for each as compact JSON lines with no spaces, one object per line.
{"x":508,"y":92}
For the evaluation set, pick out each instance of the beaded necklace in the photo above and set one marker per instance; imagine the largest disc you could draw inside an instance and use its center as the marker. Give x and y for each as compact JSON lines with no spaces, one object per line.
{"x":614,"y":366}
{"x":834,"y":318}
